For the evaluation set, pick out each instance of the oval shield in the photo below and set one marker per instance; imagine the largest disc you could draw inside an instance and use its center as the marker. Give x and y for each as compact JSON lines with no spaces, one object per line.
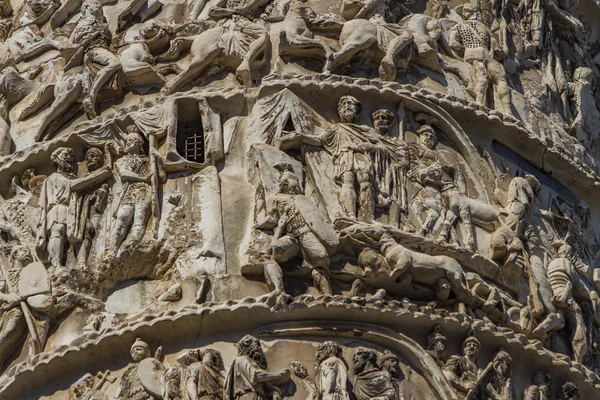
{"x":151,"y":371}
{"x":34,"y":280}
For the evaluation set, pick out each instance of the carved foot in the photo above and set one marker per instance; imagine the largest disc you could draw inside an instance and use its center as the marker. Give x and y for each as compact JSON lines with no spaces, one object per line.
{"x":387,"y":70}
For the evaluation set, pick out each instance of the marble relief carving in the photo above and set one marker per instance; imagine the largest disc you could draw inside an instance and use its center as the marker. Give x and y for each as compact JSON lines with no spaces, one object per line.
{"x":164,"y":160}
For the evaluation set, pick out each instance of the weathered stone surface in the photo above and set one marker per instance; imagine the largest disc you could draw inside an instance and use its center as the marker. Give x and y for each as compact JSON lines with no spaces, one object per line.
{"x":269,"y":199}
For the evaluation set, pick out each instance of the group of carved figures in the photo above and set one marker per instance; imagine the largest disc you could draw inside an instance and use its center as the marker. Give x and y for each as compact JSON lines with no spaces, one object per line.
{"x":201,"y":374}
{"x":95,"y":66}
{"x":70,"y":214}
{"x":373,"y":169}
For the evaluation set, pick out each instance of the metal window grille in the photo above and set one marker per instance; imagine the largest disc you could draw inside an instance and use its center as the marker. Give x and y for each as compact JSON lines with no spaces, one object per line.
{"x":191,"y":141}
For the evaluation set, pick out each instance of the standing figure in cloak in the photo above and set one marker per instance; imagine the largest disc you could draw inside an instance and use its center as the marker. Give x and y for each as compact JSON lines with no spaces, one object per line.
{"x":351,"y":147}
{"x":495,"y":382}
{"x":371,"y":382}
{"x":392,"y":168}
{"x":247,"y":378}
{"x":93,"y":205}
{"x":58,"y":196}
{"x":331,"y":372}
{"x":206,"y":376}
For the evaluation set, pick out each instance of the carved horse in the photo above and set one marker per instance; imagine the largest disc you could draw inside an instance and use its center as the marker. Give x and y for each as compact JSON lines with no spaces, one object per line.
{"x":392,"y":43}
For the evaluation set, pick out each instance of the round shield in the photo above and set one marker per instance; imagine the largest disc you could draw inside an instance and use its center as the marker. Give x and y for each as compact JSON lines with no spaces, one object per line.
{"x":151,"y":371}
{"x":34,"y":280}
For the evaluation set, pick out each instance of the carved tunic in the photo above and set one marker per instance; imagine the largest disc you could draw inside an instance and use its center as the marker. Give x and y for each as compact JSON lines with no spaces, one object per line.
{"x":208,"y":380}
{"x":55,"y":198}
{"x":136,"y":192}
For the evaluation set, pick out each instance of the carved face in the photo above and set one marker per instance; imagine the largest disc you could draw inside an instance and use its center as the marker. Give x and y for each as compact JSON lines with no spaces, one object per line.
{"x":38,"y":6}
{"x":92,"y":9}
{"x":139,"y":353}
{"x":361,"y":358}
{"x":349,"y":109}
{"x":471,"y":349}
{"x":133,"y":144}
{"x":22,"y":255}
{"x":471,"y":12}
{"x":439,"y":347}
{"x":64,"y":161}
{"x":391,"y":365}
{"x":290,"y":184}
{"x":428,"y":138}
{"x":383,"y":123}
{"x":502,"y":367}
{"x":94,"y":159}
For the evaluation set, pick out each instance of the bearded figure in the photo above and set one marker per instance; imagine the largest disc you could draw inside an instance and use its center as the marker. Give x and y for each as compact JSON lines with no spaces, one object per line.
{"x":370,"y":380}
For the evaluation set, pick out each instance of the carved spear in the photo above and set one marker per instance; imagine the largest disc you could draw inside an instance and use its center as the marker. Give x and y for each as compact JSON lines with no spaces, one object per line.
{"x":29,"y":319}
{"x":154,"y":181}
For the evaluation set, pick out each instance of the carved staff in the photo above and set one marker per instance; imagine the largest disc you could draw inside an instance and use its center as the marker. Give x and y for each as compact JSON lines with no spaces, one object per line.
{"x":154,"y":181}
{"x":29,"y":319}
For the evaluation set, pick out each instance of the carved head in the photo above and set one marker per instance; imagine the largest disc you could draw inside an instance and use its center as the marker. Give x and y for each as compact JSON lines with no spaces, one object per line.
{"x":583,"y":75}
{"x":134,"y":141}
{"x":536,"y":186}
{"x":289,"y":183}
{"x":20,"y":256}
{"x":436,"y":342}
{"x":471,"y":347}
{"x":569,"y":391}
{"x":390,"y":363}
{"x":6,"y":9}
{"x":62,"y":159}
{"x":39,"y":6}
{"x":150,"y":29}
{"x":362,"y":358}
{"x":382,"y":121}
{"x":349,"y":109}
{"x":92,"y":9}
{"x":543,"y":380}
{"x":94,"y":159}
{"x":502,"y":363}
{"x":471,"y":12}
{"x":140,"y":350}
{"x":189,"y":357}
{"x":562,"y":249}
{"x":211,"y":357}
{"x":427,"y":136}
{"x":250,"y":346}
{"x":327,"y":350}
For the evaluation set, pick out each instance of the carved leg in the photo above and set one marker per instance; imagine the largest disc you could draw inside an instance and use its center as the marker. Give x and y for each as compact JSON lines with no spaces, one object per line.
{"x":84,"y":251}
{"x":348,"y":194}
{"x":321,"y":281}
{"x":357,"y":286}
{"x":255,"y":51}
{"x":498,"y":75}
{"x":552,"y":322}
{"x":140,"y":219}
{"x":285,"y":248}
{"x":62,"y":103}
{"x":198,"y":65}
{"x":346,"y":54}
{"x":56,"y":244}
{"x":110,"y":65}
{"x":124,"y":220}
{"x":448,"y":223}
{"x":42,"y":97}
{"x":465,"y":217}
{"x":430,"y":220}
{"x":579,"y":333}
{"x":481,"y":82}
{"x":274,"y":277}
{"x":394,"y":57}
{"x":13,"y":330}
{"x":314,"y":252}
{"x":366,"y":199}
